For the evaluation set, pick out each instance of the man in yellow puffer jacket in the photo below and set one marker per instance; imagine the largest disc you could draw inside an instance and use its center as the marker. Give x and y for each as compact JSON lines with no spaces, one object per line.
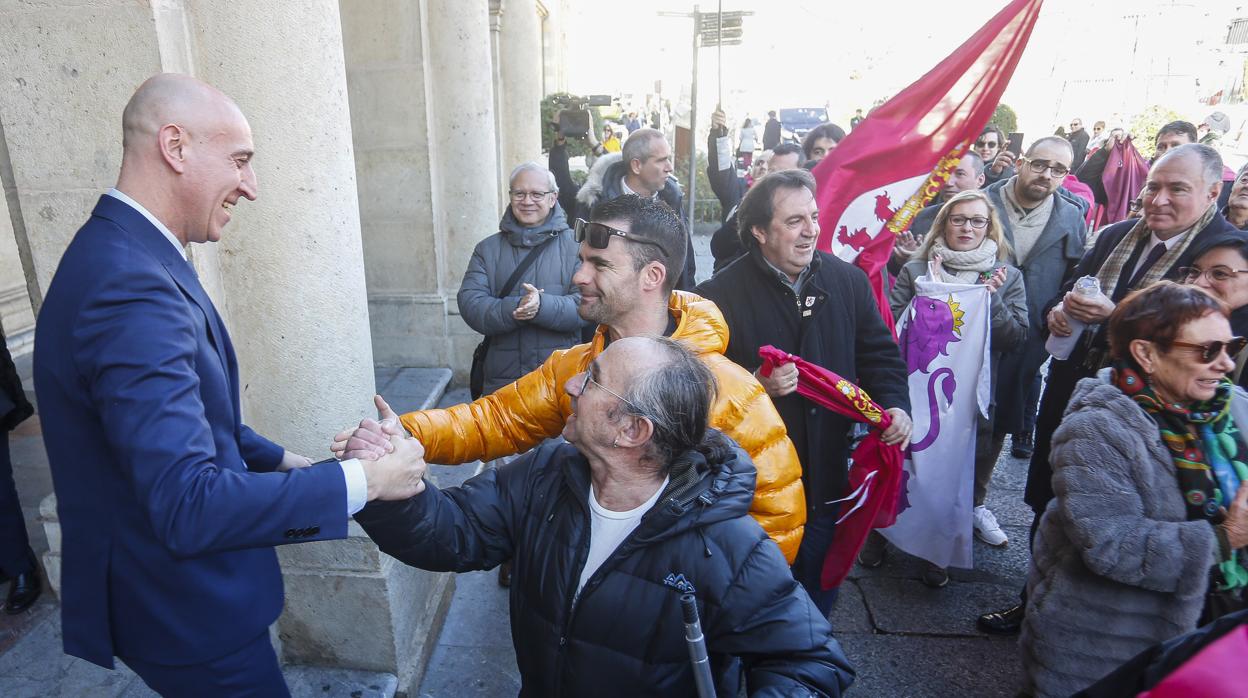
{"x":627,"y":298}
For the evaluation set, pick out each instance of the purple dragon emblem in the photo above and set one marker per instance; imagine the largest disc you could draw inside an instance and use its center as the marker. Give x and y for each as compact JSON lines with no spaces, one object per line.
{"x":935,"y":325}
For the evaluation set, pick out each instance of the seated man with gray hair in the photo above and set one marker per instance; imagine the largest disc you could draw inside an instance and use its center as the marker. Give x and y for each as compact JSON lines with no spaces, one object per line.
{"x":607,"y":532}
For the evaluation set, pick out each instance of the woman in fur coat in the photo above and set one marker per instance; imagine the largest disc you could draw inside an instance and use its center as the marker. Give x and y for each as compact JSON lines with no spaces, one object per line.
{"x":1149,"y":511}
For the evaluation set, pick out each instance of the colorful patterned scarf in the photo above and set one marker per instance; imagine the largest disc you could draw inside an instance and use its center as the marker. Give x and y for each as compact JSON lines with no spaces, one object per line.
{"x":1206,"y":446}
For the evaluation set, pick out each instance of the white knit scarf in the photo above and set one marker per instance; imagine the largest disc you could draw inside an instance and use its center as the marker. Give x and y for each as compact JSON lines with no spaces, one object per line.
{"x":967,"y":267}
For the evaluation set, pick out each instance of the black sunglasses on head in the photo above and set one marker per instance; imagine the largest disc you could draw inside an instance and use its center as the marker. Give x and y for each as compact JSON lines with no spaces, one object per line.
{"x":1209,"y":352}
{"x":599,"y":235}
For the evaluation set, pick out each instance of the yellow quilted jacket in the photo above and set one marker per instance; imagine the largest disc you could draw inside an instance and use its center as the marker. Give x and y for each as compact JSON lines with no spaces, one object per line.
{"x":521,"y":415}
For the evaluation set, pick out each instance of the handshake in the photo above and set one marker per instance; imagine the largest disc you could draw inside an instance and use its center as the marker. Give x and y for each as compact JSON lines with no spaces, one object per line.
{"x":393,"y":461}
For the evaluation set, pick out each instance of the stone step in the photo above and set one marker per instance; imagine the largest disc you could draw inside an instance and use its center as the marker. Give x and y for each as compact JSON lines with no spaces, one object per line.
{"x":408,"y":388}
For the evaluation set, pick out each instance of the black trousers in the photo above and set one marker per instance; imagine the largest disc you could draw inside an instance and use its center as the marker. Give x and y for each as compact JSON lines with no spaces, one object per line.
{"x":15,"y":557}
{"x":1063,"y":375}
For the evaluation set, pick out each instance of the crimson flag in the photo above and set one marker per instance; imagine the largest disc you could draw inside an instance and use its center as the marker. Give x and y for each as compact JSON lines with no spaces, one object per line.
{"x":873,"y":497}
{"x":875,"y":181}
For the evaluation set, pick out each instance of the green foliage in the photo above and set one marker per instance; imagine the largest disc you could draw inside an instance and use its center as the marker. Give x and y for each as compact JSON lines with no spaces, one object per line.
{"x":1004,"y":118}
{"x":1146,"y":124}
{"x":705,"y":204}
{"x":551,"y":104}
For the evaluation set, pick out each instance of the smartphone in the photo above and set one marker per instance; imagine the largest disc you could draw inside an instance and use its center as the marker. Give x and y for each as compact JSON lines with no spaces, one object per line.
{"x":1014,"y":143}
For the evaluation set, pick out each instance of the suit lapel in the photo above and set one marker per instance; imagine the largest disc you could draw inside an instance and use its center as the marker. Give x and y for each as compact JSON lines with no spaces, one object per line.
{"x":183,"y":275}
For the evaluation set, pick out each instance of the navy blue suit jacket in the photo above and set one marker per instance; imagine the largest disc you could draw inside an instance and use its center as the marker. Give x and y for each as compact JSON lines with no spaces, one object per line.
{"x":169,"y":505}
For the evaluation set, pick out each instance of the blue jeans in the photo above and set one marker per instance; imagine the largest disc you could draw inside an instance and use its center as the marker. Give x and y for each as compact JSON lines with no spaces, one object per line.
{"x":808,"y":567}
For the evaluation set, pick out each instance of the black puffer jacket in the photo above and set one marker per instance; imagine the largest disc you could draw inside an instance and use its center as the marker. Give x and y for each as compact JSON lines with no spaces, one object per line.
{"x":624,"y":636}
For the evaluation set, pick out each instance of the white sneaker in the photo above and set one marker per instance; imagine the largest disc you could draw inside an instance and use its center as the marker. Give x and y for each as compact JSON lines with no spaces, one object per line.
{"x":987,"y":529}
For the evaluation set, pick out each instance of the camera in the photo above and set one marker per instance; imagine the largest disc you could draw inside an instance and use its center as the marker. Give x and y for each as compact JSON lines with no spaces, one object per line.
{"x":574,"y":118}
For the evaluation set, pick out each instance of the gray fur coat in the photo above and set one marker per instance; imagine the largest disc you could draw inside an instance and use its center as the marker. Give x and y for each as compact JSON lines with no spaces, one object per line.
{"x":1116,"y":566}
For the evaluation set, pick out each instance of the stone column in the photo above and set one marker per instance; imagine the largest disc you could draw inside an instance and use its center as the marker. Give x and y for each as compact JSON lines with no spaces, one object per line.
{"x":427,"y":164}
{"x":67,"y":71}
{"x":520,"y":82}
{"x":462,"y":137}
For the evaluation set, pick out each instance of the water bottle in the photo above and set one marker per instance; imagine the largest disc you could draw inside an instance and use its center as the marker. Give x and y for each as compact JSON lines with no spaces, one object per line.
{"x":1060,"y":347}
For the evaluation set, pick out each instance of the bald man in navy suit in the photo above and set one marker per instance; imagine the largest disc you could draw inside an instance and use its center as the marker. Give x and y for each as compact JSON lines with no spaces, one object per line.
{"x":170,"y":506}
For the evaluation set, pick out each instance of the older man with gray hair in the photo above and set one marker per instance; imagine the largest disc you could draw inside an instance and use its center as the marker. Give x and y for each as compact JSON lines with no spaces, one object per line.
{"x":1180,"y":215}
{"x":643,"y":504}
{"x":524,"y":318}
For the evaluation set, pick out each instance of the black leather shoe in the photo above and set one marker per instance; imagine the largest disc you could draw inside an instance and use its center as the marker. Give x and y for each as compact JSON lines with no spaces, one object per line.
{"x":1007,"y":622}
{"x":1024,"y":444}
{"x":23,"y":592}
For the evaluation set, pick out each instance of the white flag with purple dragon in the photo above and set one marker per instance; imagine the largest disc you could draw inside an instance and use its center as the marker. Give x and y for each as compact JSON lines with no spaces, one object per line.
{"x":943,"y":335}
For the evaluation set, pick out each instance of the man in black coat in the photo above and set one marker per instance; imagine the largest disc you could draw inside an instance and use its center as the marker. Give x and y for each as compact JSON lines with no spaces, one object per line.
{"x":607,"y":534}
{"x":1078,"y":138}
{"x":17,"y":561}
{"x":643,"y":167}
{"x":1180,"y":215}
{"x":729,"y":188}
{"x":771,"y":132}
{"x":812,"y":304}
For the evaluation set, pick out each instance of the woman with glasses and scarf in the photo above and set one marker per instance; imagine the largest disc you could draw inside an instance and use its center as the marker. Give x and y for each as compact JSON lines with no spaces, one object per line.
{"x":1146,"y":531}
{"x":967,"y":245}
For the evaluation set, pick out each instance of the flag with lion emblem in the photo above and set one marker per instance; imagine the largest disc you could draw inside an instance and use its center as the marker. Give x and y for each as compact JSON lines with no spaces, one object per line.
{"x":944,"y":341}
{"x":888,"y":168}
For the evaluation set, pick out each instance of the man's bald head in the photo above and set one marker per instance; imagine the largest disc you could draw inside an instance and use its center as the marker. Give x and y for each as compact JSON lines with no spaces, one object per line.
{"x":186,"y":158}
{"x":172,"y":98}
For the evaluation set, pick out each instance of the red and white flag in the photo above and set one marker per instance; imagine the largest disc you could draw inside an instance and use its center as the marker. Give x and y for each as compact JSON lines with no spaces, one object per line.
{"x":886,"y":170}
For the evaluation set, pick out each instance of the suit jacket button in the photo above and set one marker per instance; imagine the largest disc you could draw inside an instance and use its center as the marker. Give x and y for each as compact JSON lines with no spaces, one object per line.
{"x":291,"y":533}
{"x":314,"y":530}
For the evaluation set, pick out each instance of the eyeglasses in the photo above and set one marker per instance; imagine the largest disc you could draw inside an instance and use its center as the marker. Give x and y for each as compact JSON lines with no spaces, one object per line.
{"x":599,"y":235}
{"x":1211,"y":351}
{"x":518,"y":196}
{"x":1039,"y":166}
{"x":977,"y":222}
{"x":1218,"y":274}
{"x":590,"y":379}
{"x":986,"y":144}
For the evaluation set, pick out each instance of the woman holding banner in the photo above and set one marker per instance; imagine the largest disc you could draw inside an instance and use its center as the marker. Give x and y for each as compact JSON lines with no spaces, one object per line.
{"x":966,"y":245}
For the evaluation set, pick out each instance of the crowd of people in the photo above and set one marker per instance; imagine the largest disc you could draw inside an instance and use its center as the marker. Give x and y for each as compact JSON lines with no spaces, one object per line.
{"x":639,"y":450}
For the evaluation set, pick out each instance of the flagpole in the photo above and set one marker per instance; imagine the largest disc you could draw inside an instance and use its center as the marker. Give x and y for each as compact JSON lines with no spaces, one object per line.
{"x":693,"y":119}
{"x":719,"y":52}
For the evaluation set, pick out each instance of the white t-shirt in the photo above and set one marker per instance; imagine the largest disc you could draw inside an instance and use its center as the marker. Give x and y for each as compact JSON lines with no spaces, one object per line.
{"x":607,"y":529}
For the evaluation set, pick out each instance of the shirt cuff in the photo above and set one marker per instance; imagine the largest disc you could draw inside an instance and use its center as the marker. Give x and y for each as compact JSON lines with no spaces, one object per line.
{"x":357,"y":485}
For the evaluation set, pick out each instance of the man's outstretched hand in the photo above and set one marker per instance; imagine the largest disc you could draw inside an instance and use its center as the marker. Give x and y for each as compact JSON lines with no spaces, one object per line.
{"x":368,"y":441}
{"x":400,"y":473}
